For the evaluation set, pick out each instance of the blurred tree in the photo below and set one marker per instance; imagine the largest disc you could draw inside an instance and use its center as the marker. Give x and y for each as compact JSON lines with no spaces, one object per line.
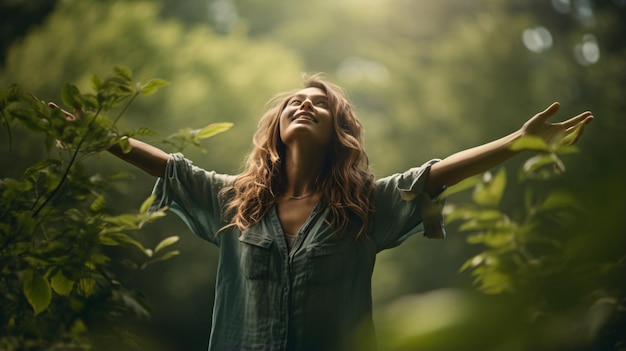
{"x":17,"y":17}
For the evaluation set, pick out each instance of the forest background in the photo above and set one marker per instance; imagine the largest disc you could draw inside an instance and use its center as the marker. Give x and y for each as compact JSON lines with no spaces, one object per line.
{"x":427,"y":79}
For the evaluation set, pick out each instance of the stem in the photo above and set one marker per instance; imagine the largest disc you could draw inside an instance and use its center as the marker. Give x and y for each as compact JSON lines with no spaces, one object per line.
{"x":124,"y":108}
{"x":69,"y":166}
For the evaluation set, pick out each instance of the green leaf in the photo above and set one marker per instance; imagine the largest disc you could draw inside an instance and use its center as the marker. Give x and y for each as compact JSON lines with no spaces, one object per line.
{"x":132,"y":303}
{"x":165,"y":256}
{"x":472,"y":262}
{"x":96,"y":83}
{"x":124,"y":72}
{"x":123,"y":238}
{"x":566,"y":149}
{"x":490,"y":193}
{"x":143,"y":131}
{"x":86,"y":287}
{"x":495,"y":239}
{"x":495,"y":283}
{"x":165,"y":243}
{"x":462,"y":185}
{"x":536,"y":162}
{"x":71,"y":96}
{"x":571,"y":135}
{"x":125,"y":145}
{"x":145,"y":206}
{"x":559,"y":200}
{"x":61,"y":284}
{"x":213,"y":129}
{"x":529,"y":142}
{"x":37,"y":291}
{"x":98,"y":204}
{"x":108,"y":241}
{"x":152,"y":86}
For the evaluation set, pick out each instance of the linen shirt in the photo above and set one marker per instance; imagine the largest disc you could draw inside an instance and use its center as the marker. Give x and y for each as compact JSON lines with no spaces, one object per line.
{"x":316,"y":296}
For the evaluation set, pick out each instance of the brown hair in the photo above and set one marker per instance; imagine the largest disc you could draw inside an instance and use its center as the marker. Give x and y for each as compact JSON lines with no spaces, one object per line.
{"x":346,"y":184}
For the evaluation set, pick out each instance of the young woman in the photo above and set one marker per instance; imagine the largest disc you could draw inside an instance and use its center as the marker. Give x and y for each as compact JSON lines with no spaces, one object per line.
{"x":299,"y":229}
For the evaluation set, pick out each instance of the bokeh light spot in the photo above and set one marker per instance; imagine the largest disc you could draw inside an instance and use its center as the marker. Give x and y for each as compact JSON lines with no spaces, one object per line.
{"x":537,"y":39}
{"x":587,"y":52}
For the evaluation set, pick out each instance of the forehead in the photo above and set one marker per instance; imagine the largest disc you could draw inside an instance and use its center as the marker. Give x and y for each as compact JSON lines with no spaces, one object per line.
{"x":311,"y":92}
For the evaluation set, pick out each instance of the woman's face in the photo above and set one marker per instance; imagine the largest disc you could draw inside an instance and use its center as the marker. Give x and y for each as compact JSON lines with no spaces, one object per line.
{"x":307,"y":118}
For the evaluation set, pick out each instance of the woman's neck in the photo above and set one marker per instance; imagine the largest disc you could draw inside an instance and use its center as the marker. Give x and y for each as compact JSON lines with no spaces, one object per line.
{"x":302,"y":170}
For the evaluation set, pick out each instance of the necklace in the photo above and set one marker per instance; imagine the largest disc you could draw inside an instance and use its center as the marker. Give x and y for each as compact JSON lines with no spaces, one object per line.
{"x":299,"y":197}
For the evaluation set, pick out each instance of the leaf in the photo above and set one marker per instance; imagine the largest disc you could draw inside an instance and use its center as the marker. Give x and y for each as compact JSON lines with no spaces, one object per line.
{"x":491,"y":239}
{"x":86,"y":287}
{"x":165,"y":243}
{"x":145,"y":206}
{"x":489,"y":194}
{"x":131,"y":303}
{"x":98,"y":204}
{"x":123,"y":238}
{"x":559,"y":200}
{"x":494,"y":283}
{"x":472,"y":262}
{"x":536,"y":162}
{"x":571,"y":135}
{"x":213,"y":129}
{"x":462,"y":185}
{"x":165,"y":256}
{"x":143,"y":131}
{"x":37,"y":291}
{"x":108,"y":241}
{"x":41,"y":166}
{"x":152,"y":86}
{"x":125,"y":145}
{"x":71,"y":96}
{"x":124,"y":72}
{"x":61,"y":284}
{"x":78,"y":327}
{"x":96,"y":83}
{"x":529,"y":142}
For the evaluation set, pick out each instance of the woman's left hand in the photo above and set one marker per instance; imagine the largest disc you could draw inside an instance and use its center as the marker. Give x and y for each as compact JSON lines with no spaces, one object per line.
{"x":556,"y":133}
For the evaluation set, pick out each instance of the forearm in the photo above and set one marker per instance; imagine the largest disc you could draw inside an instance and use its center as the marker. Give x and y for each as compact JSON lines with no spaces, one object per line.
{"x":467,"y":163}
{"x":144,"y":156}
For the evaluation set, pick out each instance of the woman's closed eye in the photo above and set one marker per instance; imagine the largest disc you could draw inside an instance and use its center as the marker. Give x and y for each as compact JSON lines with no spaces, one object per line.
{"x":322,"y":104}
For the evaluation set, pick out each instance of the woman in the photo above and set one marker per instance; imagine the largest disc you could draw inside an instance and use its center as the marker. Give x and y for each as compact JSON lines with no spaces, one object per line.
{"x":298,"y":231}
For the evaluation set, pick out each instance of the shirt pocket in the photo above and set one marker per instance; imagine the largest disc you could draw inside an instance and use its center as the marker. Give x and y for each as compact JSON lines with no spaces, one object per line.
{"x":255,"y":255}
{"x":325,"y":264}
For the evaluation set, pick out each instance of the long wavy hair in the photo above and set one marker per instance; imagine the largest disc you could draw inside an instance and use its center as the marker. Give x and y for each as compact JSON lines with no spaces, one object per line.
{"x":346,"y":185}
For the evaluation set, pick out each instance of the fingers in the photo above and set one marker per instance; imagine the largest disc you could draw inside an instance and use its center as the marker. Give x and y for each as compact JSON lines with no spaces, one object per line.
{"x":548,"y":112}
{"x":69,"y":116}
{"x":584,"y":118}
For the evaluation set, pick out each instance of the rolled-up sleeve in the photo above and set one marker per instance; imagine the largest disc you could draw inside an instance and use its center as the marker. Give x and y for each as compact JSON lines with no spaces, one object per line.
{"x":404,"y":208}
{"x":194,"y":195}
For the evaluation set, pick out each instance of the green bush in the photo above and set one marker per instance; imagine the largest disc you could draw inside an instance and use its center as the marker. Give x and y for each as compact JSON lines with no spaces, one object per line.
{"x":66,"y":258}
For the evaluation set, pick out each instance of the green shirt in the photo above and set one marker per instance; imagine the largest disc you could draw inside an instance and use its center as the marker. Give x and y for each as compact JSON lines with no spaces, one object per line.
{"x":316,"y":296}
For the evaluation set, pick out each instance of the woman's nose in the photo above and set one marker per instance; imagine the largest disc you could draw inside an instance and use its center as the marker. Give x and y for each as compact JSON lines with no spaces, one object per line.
{"x":307,"y":104}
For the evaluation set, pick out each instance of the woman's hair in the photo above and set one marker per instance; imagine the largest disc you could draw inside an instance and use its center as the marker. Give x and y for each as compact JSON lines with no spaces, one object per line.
{"x":345,"y":183}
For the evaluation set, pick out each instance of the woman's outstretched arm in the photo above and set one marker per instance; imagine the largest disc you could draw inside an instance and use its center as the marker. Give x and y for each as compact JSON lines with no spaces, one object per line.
{"x":467,"y":163}
{"x":144,"y":156}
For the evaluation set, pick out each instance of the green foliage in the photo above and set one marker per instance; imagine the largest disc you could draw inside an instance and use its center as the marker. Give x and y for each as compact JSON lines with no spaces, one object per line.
{"x":535,"y":257}
{"x":547,"y":278}
{"x":64,"y":256}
